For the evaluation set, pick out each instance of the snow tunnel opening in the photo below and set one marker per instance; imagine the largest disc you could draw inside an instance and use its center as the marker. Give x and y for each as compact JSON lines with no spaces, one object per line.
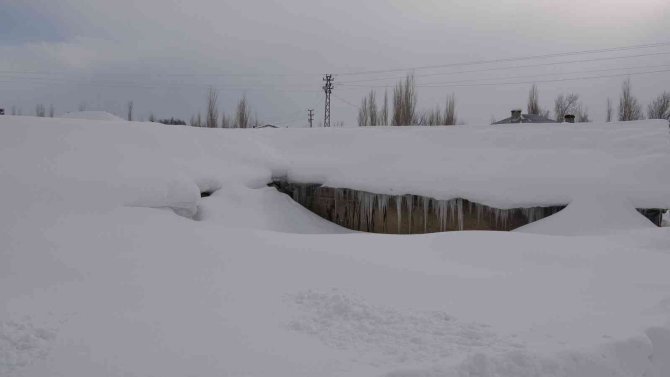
{"x":414,"y":214}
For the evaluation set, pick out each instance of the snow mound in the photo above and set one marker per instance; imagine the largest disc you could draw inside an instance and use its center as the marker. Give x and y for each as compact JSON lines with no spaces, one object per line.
{"x":262,"y":208}
{"x":586,"y":215}
{"x":91,"y":115}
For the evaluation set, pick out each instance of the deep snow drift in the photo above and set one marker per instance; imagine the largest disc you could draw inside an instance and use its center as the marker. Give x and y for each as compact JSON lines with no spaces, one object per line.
{"x":111,"y":263}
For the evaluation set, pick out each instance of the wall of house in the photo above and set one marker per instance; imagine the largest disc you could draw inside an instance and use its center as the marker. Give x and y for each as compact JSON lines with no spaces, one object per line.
{"x":407,"y":214}
{"x":413,"y":214}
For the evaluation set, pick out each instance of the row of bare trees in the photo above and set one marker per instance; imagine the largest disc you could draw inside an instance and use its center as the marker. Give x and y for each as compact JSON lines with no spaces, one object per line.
{"x":629,"y":107}
{"x":40,"y":111}
{"x":213,"y":118}
{"x":405,"y":99}
{"x":404,"y":109}
{"x":242,"y":118}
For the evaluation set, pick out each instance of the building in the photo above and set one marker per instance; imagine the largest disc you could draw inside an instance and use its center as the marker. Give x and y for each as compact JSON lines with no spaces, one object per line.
{"x":517,"y":117}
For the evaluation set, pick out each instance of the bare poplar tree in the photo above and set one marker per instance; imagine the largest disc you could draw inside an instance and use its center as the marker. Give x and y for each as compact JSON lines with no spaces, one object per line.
{"x":432,"y":118}
{"x":130,"y":111}
{"x":198,"y":120}
{"x":243,"y":114}
{"x":629,"y":108}
{"x":52,"y":111}
{"x":582,"y":114}
{"x":450,"y":111}
{"x":609,"y":110}
{"x":363,"y":118}
{"x":368,"y":114}
{"x":40,"y":111}
{"x":372,"y":109}
{"x":534,"y":101}
{"x":212,"y":118}
{"x":14,"y":110}
{"x":660,"y":107}
{"x":423,"y":118}
{"x":82,"y":106}
{"x":152,"y":117}
{"x":384,"y":113}
{"x":225,"y":120}
{"x":404,"y":102}
{"x":565,"y":104}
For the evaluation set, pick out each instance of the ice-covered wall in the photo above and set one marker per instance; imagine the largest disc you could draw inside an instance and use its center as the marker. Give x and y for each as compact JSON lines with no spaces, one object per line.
{"x":414,"y":214}
{"x":407,"y":214}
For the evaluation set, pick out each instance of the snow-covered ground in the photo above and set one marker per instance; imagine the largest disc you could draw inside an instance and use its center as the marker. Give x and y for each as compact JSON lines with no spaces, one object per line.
{"x":112,"y":265}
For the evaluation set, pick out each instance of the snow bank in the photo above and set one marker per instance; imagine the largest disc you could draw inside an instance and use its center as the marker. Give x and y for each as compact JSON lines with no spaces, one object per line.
{"x":591,"y":215}
{"x":99,"y":276}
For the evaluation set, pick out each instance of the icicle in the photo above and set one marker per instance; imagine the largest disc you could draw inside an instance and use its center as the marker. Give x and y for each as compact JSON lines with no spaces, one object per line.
{"x":480,"y":212}
{"x":398,"y":207}
{"x":442,"y":214}
{"x":382,"y":206}
{"x":425,"y":202}
{"x":459,"y":204}
{"x":410,"y":203}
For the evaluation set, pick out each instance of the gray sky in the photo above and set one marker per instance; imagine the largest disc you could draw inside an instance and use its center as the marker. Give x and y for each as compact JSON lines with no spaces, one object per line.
{"x":164,"y":54}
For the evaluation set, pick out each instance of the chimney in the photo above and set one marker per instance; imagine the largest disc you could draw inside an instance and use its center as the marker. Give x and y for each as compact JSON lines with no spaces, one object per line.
{"x":516,"y":116}
{"x":569,"y":118}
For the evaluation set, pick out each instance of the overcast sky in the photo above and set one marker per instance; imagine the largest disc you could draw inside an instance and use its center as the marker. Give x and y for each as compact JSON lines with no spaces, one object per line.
{"x":164,"y":54}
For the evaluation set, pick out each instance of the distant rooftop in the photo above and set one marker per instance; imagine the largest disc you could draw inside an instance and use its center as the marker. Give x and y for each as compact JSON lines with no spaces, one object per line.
{"x":517,"y":117}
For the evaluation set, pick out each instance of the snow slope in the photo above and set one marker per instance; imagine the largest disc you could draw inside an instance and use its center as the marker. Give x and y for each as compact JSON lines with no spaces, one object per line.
{"x":111,"y":264}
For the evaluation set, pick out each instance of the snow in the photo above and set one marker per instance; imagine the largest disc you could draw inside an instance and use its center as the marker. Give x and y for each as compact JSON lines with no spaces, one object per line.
{"x":591,"y":215}
{"x":500,"y":166}
{"x":112,"y":264}
{"x":90,"y":115}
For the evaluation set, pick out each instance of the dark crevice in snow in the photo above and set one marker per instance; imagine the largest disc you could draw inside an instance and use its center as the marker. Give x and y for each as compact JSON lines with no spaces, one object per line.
{"x":655,"y":215}
{"x":413,"y":214}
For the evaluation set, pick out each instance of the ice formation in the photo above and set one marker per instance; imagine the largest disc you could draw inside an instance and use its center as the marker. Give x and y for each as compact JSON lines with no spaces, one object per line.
{"x":366,"y":211}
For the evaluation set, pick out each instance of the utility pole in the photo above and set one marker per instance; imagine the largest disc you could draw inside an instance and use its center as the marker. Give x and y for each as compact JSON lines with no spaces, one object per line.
{"x":328,"y":88}
{"x":310,"y":116}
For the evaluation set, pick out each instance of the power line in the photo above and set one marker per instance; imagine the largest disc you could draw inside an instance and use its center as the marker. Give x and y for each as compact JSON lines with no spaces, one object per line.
{"x":191,"y":74}
{"x":296,"y":115}
{"x":345,"y":101}
{"x":121,"y":84}
{"x":555,"y":80}
{"x":521,"y":76}
{"x":507,"y":68}
{"x":352,"y":73}
{"x":503,"y":60}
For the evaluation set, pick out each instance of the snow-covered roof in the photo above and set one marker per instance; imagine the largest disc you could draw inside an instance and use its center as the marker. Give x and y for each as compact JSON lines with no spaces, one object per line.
{"x":527,"y":118}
